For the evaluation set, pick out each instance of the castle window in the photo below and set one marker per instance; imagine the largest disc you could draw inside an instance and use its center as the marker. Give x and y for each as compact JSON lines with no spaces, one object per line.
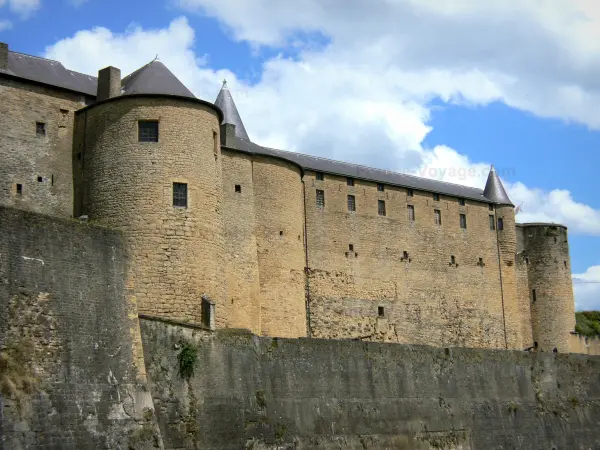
{"x":404,"y":255}
{"x":500,"y":223}
{"x":238,"y":188}
{"x":437,"y":214}
{"x":533,"y":295}
{"x":351,"y":247}
{"x":526,"y":260}
{"x":480,"y":262}
{"x":492,"y":222}
{"x":215,"y":144}
{"x":565,"y":263}
{"x":320,"y":198}
{"x":148,"y":131}
{"x":452,"y":260}
{"x":381,"y":311}
{"x":180,"y":195}
{"x":381,"y":207}
{"x":411,"y":213}
{"x":351,"y":203}
{"x":350,"y":181}
{"x":40,"y":179}
{"x":319,"y":176}
{"x":40,"y":129}
{"x":380,"y":187}
{"x":491,"y":207}
{"x":436,"y":197}
{"x":461,"y":201}
{"x":463,"y":220}
{"x":409,"y":193}
{"x":19,"y":189}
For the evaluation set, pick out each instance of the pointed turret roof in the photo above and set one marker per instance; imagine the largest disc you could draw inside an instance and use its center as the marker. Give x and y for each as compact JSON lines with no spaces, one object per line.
{"x":154,"y":78}
{"x":494,"y":189}
{"x":232,"y":116}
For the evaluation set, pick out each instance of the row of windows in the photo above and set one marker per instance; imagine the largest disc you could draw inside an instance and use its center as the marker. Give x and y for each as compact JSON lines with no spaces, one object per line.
{"x":320,"y":202}
{"x":409,"y":192}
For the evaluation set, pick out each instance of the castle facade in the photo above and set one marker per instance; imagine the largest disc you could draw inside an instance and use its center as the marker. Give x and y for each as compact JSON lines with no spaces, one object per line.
{"x":228,"y":233}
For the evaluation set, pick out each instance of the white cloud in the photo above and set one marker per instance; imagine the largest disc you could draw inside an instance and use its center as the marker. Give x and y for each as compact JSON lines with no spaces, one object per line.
{"x":24,"y":8}
{"x":5,"y":25}
{"x":587,"y":289}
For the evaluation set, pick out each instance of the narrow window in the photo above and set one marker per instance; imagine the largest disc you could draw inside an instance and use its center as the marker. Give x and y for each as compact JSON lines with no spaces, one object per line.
{"x":319,"y":176}
{"x":500,"y":223}
{"x":492,"y":222}
{"x":351,"y":203}
{"x":404,"y":255}
{"x":180,"y":195}
{"x":215,"y":143}
{"x":463,"y":220}
{"x":565,"y":263}
{"x":436,"y":197}
{"x":320,"y":198}
{"x":148,"y":131}
{"x":380,"y":187}
{"x":526,"y":260}
{"x":381,"y":207}
{"x":19,"y":189}
{"x":40,"y":129}
{"x":411,"y":213}
{"x":461,"y":201}
{"x":452,"y":260}
{"x":381,"y":311}
{"x":480,"y":262}
{"x":409,"y":192}
{"x":437,"y":214}
{"x":78,"y":156}
{"x":350,"y":181}
{"x":238,"y":188}
{"x":491,"y":207}
{"x":351,"y":247}
{"x":533,"y":295}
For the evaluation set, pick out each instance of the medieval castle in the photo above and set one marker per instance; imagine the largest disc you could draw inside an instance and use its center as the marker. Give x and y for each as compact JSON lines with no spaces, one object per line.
{"x":223,"y":232}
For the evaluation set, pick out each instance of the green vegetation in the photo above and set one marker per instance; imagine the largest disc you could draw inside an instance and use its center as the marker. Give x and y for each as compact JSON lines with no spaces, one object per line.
{"x":187,"y":360}
{"x":588,"y":323}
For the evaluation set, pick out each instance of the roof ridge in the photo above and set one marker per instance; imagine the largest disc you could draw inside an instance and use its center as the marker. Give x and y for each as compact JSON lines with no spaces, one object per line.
{"x":375,"y":168}
{"x":35,"y":56}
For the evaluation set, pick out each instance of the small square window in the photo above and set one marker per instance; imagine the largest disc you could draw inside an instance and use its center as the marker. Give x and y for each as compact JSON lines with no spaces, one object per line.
{"x":436,"y":197}
{"x":180,"y":195}
{"x":19,"y":189}
{"x":320,"y":198}
{"x":438,"y":216}
{"x":40,"y":179}
{"x":492,"y":222}
{"x":380,"y":187}
{"x":238,"y":188}
{"x":319,"y":176}
{"x":491,"y":207}
{"x":500,"y":223}
{"x":350,"y":181}
{"x":409,"y":193}
{"x":40,"y":129}
{"x":381,"y":207}
{"x":148,"y":131}
{"x":411,"y":213}
{"x":463,"y":221}
{"x":452,"y":260}
{"x":351,"y":247}
{"x":351,"y":203}
{"x":461,"y":201}
{"x":381,"y":311}
{"x":404,"y":255}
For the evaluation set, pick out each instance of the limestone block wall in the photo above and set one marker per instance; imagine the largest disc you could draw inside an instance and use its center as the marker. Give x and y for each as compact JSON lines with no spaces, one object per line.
{"x":40,"y":164}
{"x":177,"y":254}
{"x":546,"y":247}
{"x":279,"y":220}
{"x":584,"y":344}
{"x":362,"y":284}
{"x":242,"y":305}
{"x":523,"y":289}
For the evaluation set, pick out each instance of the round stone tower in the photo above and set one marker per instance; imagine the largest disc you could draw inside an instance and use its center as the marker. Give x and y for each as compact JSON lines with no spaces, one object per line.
{"x":546,"y":254}
{"x":150,"y":165}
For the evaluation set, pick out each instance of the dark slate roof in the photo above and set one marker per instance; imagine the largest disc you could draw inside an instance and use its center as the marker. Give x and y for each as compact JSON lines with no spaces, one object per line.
{"x":494,"y":189}
{"x":154,"y":78}
{"x":360,"y":172}
{"x":232,"y":116}
{"x":49,"y":72}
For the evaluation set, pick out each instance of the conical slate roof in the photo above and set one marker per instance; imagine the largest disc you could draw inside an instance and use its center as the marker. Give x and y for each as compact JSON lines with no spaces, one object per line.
{"x":231,"y":115}
{"x":154,"y":78}
{"x":494,"y":189}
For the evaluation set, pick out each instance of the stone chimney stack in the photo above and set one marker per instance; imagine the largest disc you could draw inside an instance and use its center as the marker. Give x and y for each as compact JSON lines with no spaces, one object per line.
{"x":109,"y":83}
{"x":3,"y":56}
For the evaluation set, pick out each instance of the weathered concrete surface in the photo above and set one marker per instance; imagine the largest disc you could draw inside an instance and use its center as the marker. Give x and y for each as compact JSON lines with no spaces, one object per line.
{"x":68,"y":362}
{"x":263,"y":393}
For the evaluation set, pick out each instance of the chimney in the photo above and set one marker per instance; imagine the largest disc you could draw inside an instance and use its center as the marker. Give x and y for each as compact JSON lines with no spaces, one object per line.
{"x":109,"y":83}
{"x":3,"y":56}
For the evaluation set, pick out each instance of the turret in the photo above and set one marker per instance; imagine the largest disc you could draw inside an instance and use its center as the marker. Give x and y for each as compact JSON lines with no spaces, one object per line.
{"x":231,"y":116}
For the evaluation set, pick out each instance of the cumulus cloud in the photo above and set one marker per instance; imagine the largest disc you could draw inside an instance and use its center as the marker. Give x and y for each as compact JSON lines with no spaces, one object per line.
{"x":23,"y":8}
{"x":5,"y":25}
{"x":587,"y":289}
{"x":340,"y":101}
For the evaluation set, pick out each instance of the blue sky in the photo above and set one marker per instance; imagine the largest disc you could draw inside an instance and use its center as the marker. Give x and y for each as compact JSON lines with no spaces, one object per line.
{"x":402,"y":85}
